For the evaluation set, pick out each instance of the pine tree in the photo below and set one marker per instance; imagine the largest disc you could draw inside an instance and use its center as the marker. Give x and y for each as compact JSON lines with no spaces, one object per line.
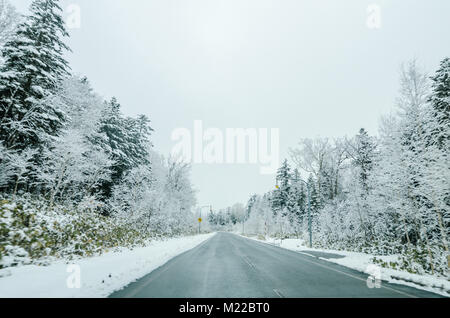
{"x":297,"y":197}
{"x":250,"y":204}
{"x":440,"y":101}
{"x":127,"y":142}
{"x":434,"y":186}
{"x":137,"y":137}
{"x":34,"y":66}
{"x":284,"y":175}
{"x":281,"y":194}
{"x":315,"y":202}
{"x":114,"y":142}
{"x":362,"y":151}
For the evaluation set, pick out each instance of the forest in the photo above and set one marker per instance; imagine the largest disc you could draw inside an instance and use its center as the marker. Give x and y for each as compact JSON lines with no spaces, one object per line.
{"x":77,"y":177}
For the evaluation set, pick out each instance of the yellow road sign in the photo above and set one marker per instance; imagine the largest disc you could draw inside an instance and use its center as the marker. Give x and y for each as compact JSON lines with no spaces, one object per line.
{"x":200,"y":220}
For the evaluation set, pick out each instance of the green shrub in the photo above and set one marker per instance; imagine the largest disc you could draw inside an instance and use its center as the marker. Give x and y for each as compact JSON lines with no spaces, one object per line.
{"x":31,"y":232}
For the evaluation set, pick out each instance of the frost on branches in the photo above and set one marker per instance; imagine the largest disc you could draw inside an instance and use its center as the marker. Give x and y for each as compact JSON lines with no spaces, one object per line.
{"x":76,"y":176}
{"x":385,"y":195}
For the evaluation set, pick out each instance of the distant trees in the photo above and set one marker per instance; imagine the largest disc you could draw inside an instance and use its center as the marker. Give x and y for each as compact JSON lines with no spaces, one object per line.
{"x":385,"y":195}
{"x":226,"y":219}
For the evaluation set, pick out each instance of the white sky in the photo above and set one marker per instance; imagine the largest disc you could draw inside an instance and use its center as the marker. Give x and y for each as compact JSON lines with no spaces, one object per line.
{"x":310,"y":68}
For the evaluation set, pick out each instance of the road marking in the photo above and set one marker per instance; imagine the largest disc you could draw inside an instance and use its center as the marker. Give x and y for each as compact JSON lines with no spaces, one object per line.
{"x":249,"y":263}
{"x":279,"y":294}
{"x":333,"y":269}
{"x":307,"y":254}
{"x":361,"y":279}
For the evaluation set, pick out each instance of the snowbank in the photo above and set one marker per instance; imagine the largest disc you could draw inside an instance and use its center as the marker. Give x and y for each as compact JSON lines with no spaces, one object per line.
{"x":361,"y":261}
{"x":99,"y":276}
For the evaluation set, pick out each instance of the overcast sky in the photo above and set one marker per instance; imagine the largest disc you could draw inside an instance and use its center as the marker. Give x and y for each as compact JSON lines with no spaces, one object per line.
{"x":310,"y":68}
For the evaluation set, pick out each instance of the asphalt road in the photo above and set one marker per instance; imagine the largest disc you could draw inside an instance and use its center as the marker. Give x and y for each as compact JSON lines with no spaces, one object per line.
{"x":229,"y":266}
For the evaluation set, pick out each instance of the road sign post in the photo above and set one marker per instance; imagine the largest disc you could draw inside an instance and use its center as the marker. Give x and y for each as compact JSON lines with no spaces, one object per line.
{"x":200,"y":220}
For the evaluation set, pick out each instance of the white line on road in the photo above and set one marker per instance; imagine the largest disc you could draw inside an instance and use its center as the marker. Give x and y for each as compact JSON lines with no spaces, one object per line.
{"x":249,"y":263}
{"x":163,"y":269}
{"x":307,"y":254}
{"x":333,"y":269}
{"x":279,"y":294}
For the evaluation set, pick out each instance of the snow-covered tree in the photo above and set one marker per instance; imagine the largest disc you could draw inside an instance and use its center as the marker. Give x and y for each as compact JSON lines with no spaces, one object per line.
{"x":280,"y":198}
{"x":34,"y":66}
{"x":361,"y":150}
{"x":133,"y":199}
{"x":313,"y":157}
{"x":298,"y":201}
{"x":157,"y":199}
{"x":16,"y":168}
{"x":6,"y":167}
{"x":261,"y":219}
{"x":440,"y":101}
{"x":74,"y":165}
{"x":126,"y":141}
{"x":66,"y":155}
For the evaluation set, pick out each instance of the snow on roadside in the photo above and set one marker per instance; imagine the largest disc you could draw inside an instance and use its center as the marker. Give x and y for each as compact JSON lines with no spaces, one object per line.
{"x":99,"y":276}
{"x":361,"y":262}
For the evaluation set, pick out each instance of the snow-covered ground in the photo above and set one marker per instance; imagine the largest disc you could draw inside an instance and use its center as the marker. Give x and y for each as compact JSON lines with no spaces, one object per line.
{"x":361,"y":262}
{"x":99,"y":276}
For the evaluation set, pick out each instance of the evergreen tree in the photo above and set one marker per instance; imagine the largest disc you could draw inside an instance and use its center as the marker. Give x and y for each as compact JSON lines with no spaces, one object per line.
{"x":297,"y":198}
{"x":362,"y":152}
{"x":440,"y":100}
{"x":281,"y":194}
{"x":34,"y":66}
{"x":251,"y":202}
{"x":113,"y":128}
{"x":127,"y":142}
{"x":314,"y":199}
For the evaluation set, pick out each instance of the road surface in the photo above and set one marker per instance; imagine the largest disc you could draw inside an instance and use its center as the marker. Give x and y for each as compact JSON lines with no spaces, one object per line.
{"x":230,"y":266}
